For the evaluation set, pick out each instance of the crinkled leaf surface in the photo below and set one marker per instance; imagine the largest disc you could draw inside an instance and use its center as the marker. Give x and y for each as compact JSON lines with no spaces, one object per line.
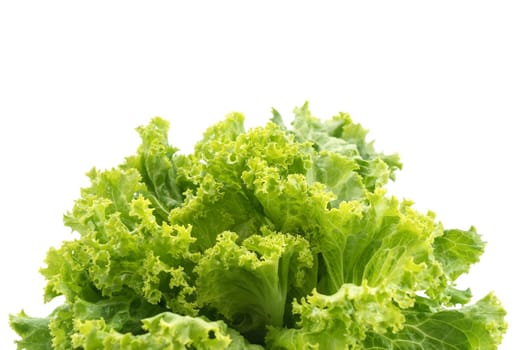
{"x":277,"y":237}
{"x":251,"y":284}
{"x":165,"y":331}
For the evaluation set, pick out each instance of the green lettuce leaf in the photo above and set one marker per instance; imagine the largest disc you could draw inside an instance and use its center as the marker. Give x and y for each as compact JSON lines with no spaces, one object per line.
{"x":338,"y":321}
{"x":478,"y":326}
{"x":155,"y":162}
{"x":250,"y":284}
{"x":34,"y":331}
{"x":359,"y":317}
{"x":167,"y":331}
{"x":341,"y":136}
{"x":457,"y":250}
{"x":136,"y":256}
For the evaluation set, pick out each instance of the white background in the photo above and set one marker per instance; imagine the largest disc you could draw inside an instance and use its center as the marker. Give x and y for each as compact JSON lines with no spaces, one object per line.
{"x":436,"y":82}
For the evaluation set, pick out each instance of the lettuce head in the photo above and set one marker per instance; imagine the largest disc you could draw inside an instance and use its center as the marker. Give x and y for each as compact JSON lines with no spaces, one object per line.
{"x":277,"y":237}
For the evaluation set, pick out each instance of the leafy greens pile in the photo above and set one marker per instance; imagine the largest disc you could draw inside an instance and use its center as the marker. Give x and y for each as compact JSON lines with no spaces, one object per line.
{"x":272,"y":238}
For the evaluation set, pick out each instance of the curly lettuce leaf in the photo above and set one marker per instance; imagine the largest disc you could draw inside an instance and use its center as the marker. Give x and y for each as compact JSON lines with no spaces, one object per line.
{"x":360,"y":317}
{"x":222,"y":201}
{"x":122,"y":314}
{"x":165,"y":331}
{"x":156,"y":164}
{"x":340,"y":135}
{"x":338,"y":321}
{"x":123,"y":250}
{"x":250,"y":283}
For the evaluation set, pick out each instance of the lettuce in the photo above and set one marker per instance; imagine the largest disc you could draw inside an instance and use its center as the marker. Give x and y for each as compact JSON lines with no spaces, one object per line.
{"x":271,"y":238}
